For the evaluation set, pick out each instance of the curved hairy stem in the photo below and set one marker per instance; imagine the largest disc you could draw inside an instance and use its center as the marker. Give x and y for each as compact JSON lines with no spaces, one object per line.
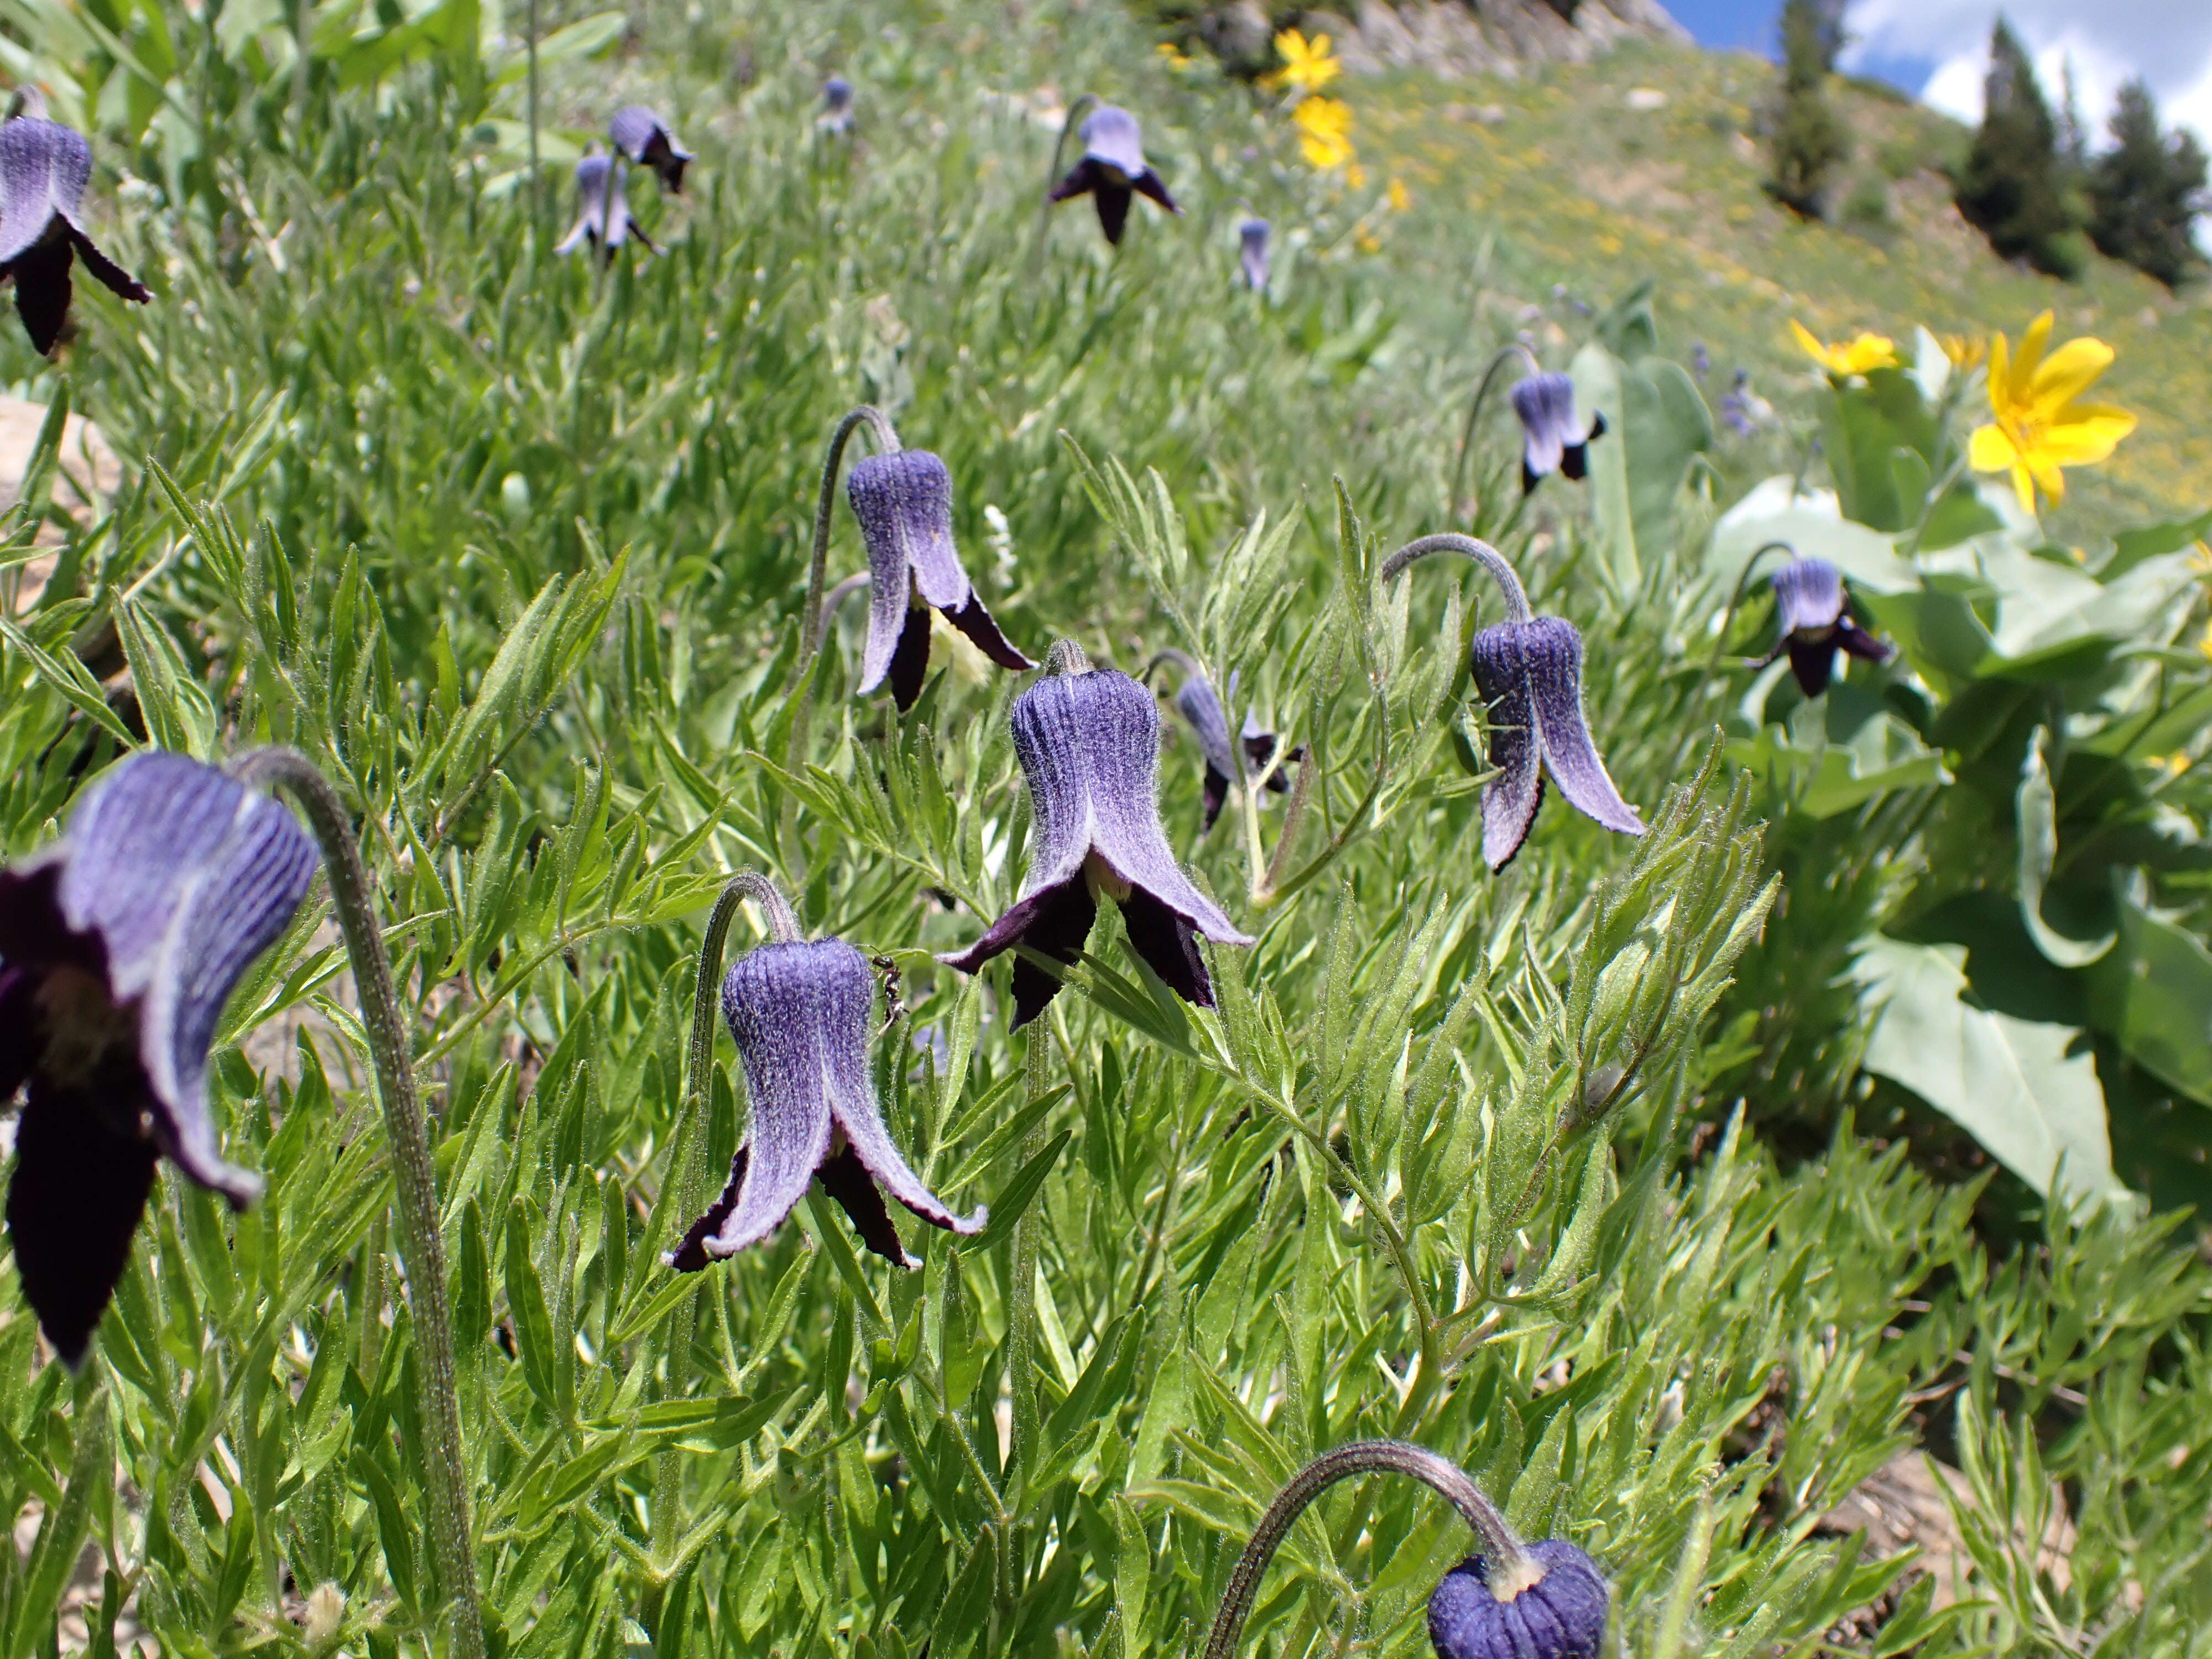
{"x":1180,"y":659}
{"x":887,"y":442}
{"x":836,"y":597}
{"x":1499,"y":359}
{"x":1508,"y":1566}
{"x":1736,"y":599}
{"x":423,"y":1248}
{"x":1467,"y":547}
{"x":1076,"y":111}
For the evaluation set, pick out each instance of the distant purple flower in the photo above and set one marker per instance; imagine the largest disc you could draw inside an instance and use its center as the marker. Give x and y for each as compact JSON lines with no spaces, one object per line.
{"x":1816,"y":617}
{"x":639,"y":134}
{"x":603,"y":216}
{"x":1530,"y":676}
{"x":119,"y":945}
{"x":904,"y":503}
{"x":800,"y":1014}
{"x":1089,"y":746}
{"x":1196,"y":703}
{"x":1701,"y":360}
{"x":44,"y":168}
{"x":1561,"y":1615}
{"x":1252,"y":257}
{"x":836,"y":105}
{"x":1112,"y":166}
{"x":1553,"y":438}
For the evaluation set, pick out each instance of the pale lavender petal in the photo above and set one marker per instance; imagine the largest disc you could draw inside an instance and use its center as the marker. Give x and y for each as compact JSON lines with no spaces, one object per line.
{"x":1252,"y":257}
{"x":44,"y":168}
{"x":904,"y":503}
{"x":1545,"y":406}
{"x":643,"y":137}
{"x":1808,"y":593}
{"x":1553,"y":651}
{"x":1510,"y":799}
{"x":1112,"y":138}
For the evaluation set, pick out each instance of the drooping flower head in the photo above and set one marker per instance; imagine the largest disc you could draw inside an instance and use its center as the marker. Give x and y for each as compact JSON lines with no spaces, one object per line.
{"x":836,"y":114}
{"x":1113,"y":166}
{"x":1552,"y":437}
{"x":904,"y":503}
{"x":2037,"y":426}
{"x":1855,"y":356}
{"x":639,"y":134}
{"x":1816,"y":621}
{"x":44,"y":168}
{"x":1088,"y":742}
{"x":603,"y":217}
{"x":1559,"y":1616}
{"x":1252,"y":254}
{"x":1202,"y":710}
{"x":119,"y":945}
{"x":1528,"y":670}
{"x":799,"y":1012}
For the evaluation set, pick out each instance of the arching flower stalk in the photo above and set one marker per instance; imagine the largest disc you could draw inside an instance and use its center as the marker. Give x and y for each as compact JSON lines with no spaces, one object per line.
{"x":1509,"y":1600}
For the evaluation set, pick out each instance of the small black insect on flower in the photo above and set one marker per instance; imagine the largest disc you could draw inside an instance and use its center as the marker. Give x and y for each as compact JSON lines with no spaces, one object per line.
{"x":903,"y":502}
{"x":1252,"y":259}
{"x":1112,"y":167}
{"x":1202,"y":710}
{"x":1088,"y":742}
{"x":44,"y":168}
{"x":119,"y":945}
{"x":1552,"y":437}
{"x":640,"y":135}
{"x":1816,"y":622}
{"x":799,"y":1012}
{"x":603,"y":216}
{"x":1556,"y":1612}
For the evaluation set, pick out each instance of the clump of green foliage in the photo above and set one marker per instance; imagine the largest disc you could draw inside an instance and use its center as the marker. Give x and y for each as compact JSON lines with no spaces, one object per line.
{"x":2015,"y":185}
{"x":2145,"y":192}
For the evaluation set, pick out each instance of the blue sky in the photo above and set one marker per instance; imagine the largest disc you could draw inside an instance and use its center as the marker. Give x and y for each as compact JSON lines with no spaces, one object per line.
{"x":1749,"y":26}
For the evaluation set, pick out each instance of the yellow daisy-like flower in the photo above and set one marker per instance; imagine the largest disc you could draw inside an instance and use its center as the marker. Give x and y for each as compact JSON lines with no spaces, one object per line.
{"x":1177,"y":57}
{"x":1965,"y":351}
{"x":1308,"y":65}
{"x":1400,"y":197}
{"x":2037,"y":426}
{"x":1856,"y":357}
{"x":1356,"y":176}
{"x":1324,"y":127}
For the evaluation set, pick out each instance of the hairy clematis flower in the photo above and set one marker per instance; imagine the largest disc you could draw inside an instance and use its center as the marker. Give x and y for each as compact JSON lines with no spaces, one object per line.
{"x":639,"y":133}
{"x":836,"y":105}
{"x":603,"y":218}
{"x":1553,"y":438}
{"x":1559,"y":1616}
{"x":904,"y":503}
{"x":1816,"y":620}
{"x":44,"y":168}
{"x":1088,"y":742}
{"x":1113,"y":166}
{"x":799,"y":1013}
{"x":1196,"y":703}
{"x":1252,"y":257}
{"x":118,"y":945}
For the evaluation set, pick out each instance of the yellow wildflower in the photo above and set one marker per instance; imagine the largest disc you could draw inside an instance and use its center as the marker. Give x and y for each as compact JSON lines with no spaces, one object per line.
{"x":1177,"y":57}
{"x":1867,"y":351}
{"x":1400,"y":197}
{"x":1366,"y":240}
{"x":1324,"y":131}
{"x":1965,"y":351}
{"x":2037,"y":428}
{"x":1307,"y":64}
{"x":2172,"y":765}
{"x":1356,"y":176}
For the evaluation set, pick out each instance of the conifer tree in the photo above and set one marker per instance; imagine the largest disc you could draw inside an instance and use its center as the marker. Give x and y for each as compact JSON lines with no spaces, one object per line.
{"x":2145,"y":190}
{"x":1810,"y":141}
{"x":2013,"y":187}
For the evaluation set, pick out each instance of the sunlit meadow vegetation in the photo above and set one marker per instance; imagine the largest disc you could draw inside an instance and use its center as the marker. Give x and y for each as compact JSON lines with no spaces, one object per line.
{"x":1670,"y":1186}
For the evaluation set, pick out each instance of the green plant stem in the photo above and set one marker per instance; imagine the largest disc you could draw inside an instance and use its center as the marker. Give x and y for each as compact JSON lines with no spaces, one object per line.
{"x":1736,"y":599}
{"x":1499,"y":359}
{"x":537,"y":179}
{"x":1952,"y":474}
{"x":887,"y":442}
{"x":414,"y":1165}
{"x":1467,"y":547}
{"x":1082,"y":106}
{"x":1508,"y":1568}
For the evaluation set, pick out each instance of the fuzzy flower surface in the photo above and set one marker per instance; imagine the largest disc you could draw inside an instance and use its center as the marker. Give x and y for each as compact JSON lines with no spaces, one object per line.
{"x":799,"y":1013}
{"x":1530,"y":676}
{"x":1561,"y":1616}
{"x":1308,"y":65}
{"x":1252,"y":255}
{"x":1854,"y":356}
{"x":44,"y":168}
{"x":904,"y":503}
{"x":643,"y":137}
{"x":1324,"y":127}
{"x":119,"y":945}
{"x":1201,"y":711}
{"x":1112,"y":168}
{"x":1553,"y":437}
{"x":603,"y":217}
{"x":1089,"y":747}
{"x":2037,"y":426}
{"x":1816,"y":623}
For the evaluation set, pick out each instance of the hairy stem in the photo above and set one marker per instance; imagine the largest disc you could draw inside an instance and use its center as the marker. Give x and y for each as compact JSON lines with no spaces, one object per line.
{"x":1736,"y":599}
{"x":1506,"y":1559}
{"x":1499,"y":358}
{"x":1467,"y":547}
{"x":887,"y":442}
{"x":1080,"y":107}
{"x":421,"y":1246}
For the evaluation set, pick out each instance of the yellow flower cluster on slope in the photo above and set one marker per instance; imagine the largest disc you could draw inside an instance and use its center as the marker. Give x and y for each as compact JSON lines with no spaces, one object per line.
{"x":1868,"y":351}
{"x":1308,"y":65}
{"x":1324,"y":124}
{"x":2037,"y":426}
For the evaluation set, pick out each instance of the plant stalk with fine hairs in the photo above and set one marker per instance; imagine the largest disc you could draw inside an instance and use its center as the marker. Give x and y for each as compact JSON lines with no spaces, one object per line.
{"x":1503,"y":356}
{"x":1467,"y":547}
{"x":413,"y":1163}
{"x":1509,"y":1567}
{"x":811,"y":623}
{"x":1076,"y":111}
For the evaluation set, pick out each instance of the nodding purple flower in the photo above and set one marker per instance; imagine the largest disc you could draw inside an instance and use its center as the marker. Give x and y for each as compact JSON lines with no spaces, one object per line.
{"x":904,"y":503}
{"x":44,"y":168}
{"x":836,"y":105}
{"x":1530,"y":676}
{"x":1196,"y":703}
{"x":639,"y":134}
{"x":603,"y":216}
{"x":1561,"y":1615}
{"x":799,"y":1012}
{"x":1088,"y":743}
{"x":1701,"y":360}
{"x":1252,"y":257}
{"x":1113,"y":166}
{"x":1816,"y":621}
{"x":1553,"y":438}
{"x":118,"y":945}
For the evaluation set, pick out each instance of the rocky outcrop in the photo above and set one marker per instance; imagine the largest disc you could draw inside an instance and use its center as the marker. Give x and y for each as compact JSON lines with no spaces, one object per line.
{"x":1495,"y":36}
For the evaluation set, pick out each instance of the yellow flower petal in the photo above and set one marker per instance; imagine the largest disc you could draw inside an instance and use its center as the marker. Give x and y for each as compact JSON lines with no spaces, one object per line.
{"x":2086,"y":436}
{"x":1989,"y":451}
{"x":2067,"y":371}
{"x":1808,"y":342}
{"x":2024,"y":487}
{"x":2031,"y":355}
